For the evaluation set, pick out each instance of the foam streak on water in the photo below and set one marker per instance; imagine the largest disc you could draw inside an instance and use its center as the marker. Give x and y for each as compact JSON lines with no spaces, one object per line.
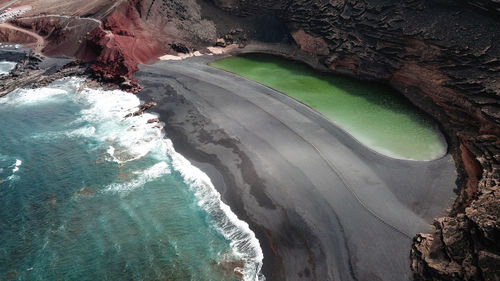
{"x":11,"y":169}
{"x":143,"y":177}
{"x":127,"y":141}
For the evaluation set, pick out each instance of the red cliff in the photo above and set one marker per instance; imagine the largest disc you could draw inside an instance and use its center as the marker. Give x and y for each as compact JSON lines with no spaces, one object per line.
{"x":123,"y":41}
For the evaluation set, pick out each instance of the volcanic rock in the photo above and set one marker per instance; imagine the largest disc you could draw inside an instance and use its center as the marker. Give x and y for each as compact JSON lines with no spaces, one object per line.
{"x":142,"y":108}
{"x":310,"y":44}
{"x":221,"y":42}
{"x":36,"y":70}
{"x":180,"y":48}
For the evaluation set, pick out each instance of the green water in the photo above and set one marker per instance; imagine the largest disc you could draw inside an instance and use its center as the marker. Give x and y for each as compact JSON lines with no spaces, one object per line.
{"x":374,"y":114}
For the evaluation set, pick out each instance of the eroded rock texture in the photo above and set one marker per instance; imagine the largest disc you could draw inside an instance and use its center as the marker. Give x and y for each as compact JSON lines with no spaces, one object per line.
{"x":138,"y":32}
{"x":445,"y":57}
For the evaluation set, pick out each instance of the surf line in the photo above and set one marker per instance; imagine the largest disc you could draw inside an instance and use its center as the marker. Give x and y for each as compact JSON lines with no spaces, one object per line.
{"x":321,"y":154}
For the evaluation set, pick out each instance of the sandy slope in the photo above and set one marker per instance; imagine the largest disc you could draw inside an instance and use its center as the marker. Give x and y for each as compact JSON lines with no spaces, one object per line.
{"x":34,"y":40}
{"x":88,"y":8}
{"x":331,"y":208}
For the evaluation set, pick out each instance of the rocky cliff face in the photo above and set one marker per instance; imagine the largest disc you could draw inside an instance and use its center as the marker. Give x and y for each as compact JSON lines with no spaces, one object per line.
{"x":445,"y":57}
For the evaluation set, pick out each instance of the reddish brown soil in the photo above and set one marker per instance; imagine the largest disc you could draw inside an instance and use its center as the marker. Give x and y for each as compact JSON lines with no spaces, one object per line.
{"x":311,"y":44}
{"x":62,"y":35}
{"x":117,"y":44}
{"x":123,"y":42}
{"x":7,"y":34}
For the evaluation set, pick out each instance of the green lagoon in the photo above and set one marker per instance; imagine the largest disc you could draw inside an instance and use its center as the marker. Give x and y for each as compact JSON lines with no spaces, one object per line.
{"x":374,"y":114}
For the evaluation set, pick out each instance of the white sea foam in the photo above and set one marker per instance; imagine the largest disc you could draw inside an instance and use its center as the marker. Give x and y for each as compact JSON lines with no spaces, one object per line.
{"x":142,"y":177}
{"x":111,"y":151}
{"x":137,"y":138}
{"x":12,"y":178}
{"x":6,"y":67}
{"x":243,"y":241}
{"x":29,"y":97}
{"x":129,"y":139}
{"x":85,"y":131}
{"x":16,"y":166}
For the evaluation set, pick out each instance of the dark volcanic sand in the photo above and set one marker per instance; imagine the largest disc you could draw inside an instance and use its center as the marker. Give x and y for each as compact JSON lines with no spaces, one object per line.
{"x":323,"y":206}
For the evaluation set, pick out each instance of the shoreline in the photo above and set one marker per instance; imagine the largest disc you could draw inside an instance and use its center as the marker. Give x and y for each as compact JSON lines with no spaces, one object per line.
{"x":33,"y":69}
{"x":221,"y":177}
{"x":299,"y":56}
{"x":244,"y":237}
{"x":112,"y":146}
{"x":199,"y":140}
{"x":377,"y":150}
{"x":288,"y":236}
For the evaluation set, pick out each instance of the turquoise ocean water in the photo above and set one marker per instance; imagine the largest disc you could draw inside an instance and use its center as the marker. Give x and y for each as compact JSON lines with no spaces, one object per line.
{"x":87,"y":194}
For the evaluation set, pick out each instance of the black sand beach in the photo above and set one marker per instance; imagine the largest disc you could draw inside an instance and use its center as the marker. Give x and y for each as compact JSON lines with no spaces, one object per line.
{"x":323,"y":206}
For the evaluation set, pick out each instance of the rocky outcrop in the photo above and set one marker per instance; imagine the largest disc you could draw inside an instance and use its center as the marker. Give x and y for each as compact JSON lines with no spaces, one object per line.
{"x":445,"y":57}
{"x":138,"y":32}
{"x":143,"y":108}
{"x":310,"y":44}
{"x":123,"y":41}
{"x":456,"y":250}
{"x":34,"y":70}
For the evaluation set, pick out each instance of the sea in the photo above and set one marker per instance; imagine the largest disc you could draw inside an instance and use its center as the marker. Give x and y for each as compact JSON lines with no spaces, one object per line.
{"x":87,"y":193}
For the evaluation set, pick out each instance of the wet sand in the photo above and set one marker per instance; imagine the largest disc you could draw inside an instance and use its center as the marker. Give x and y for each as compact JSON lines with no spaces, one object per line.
{"x":323,"y":206}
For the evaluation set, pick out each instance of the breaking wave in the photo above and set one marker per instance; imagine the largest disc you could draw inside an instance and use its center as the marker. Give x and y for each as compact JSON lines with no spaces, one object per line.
{"x":243,"y":240}
{"x":127,"y":139}
{"x":142,"y":177}
{"x":6,"y":67}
